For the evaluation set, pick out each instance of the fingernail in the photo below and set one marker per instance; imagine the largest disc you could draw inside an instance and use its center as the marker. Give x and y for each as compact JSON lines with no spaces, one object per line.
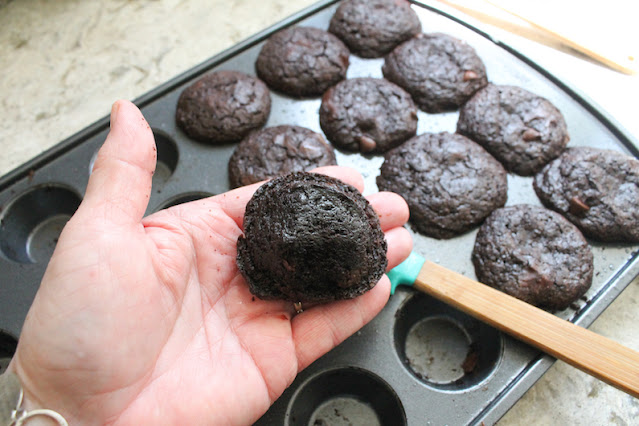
{"x":114,"y":113}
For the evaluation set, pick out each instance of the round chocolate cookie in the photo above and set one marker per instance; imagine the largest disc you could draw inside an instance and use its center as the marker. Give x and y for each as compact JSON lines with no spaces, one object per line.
{"x":223,"y":107}
{"x":522,"y":130}
{"x":596,"y":189}
{"x":439,"y":71}
{"x":372,"y":28}
{"x":302,"y":61}
{"x":534,"y":254}
{"x":310,"y":238}
{"x":367,"y":115}
{"x":276,"y":151}
{"x":450,"y":183}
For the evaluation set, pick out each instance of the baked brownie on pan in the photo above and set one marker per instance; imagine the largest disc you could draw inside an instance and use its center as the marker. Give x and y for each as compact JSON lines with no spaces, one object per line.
{"x":596,"y":189}
{"x":522,"y":130}
{"x":275,"y":151}
{"x":450,"y":183}
{"x":439,"y":71}
{"x":302,"y":61}
{"x":368,"y":115}
{"x":372,"y":28}
{"x":310,"y":238}
{"x":223,"y":107}
{"x":534,"y":254}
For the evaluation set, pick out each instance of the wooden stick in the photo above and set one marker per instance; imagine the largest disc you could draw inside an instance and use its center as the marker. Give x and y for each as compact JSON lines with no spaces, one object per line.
{"x":596,"y":355}
{"x":615,"y":52}
{"x":612,"y":44}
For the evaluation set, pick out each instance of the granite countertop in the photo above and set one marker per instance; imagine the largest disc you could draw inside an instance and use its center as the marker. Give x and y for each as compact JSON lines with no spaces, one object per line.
{"x":65,"y":62}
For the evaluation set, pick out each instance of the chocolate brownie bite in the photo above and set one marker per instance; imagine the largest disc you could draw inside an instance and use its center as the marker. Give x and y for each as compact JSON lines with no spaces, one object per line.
{"x":223,"y":107}
{"x":450,"y":183}
{"x":276,"y":151}
{"x":370,"y":115}
{"x":534,"y":254}
{"x":310,"y":238}
{"x":596,"y":189}
{"x":372,"y":28}
{"x":521,"y":129}
{"x":302,"y":61}
{"x":439,"y":71}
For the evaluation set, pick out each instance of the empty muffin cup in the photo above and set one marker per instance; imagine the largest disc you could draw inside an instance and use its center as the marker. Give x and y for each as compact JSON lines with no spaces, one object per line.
{"x":32,"y":222}
{"x":443,"y":347}
{"x":346,"y":396}
{"x":167,"y":159}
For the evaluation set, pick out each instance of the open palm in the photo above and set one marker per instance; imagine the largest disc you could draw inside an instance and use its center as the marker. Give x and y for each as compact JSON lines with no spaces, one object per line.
{"x":148,"y":321}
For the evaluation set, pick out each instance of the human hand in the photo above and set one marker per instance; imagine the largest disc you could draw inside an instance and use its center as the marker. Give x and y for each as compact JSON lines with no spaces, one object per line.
{"x":148,"y":320}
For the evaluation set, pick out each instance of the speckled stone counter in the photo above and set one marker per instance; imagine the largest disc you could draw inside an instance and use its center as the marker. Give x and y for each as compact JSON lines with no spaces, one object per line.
{"x":64,"y":63}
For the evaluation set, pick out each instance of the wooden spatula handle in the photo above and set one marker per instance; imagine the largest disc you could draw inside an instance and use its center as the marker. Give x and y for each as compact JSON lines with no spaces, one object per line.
{"x":598,"y":356}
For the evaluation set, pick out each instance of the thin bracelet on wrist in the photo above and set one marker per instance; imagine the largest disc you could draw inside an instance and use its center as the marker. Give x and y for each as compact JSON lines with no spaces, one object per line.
{"x":20,"y":416}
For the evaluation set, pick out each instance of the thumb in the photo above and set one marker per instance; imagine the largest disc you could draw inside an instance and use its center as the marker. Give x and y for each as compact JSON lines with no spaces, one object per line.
{"x":120,"y":184}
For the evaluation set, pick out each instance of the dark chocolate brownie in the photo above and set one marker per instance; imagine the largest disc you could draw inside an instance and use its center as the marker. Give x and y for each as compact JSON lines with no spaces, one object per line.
{"x":450,"y":183}
{"x":372,"y":28}
{"x":522,"y":130}
{"x":367,"y":115}
{"x":302,"y":61}
{"x":310,"y":238}
{"x":223,"y":107}
{"x":439,"y":71}
{"x":596,"y":189}
{"x":534,"y":254}
{"x":276,"y":151}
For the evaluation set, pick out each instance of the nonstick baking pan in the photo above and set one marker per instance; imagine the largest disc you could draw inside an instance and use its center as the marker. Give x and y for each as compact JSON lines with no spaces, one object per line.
{"x":419,"y":362}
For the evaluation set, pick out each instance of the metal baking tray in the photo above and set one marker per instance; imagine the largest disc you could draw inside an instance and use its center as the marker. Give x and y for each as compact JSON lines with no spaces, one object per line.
{"x":407,"y":366}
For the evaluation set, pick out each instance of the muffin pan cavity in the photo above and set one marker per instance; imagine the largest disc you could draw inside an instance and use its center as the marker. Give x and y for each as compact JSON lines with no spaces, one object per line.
{"x":31,"y":224}
{"x":445,"y":348}
{"x":346,"y":396}
{"x":167,"y":158}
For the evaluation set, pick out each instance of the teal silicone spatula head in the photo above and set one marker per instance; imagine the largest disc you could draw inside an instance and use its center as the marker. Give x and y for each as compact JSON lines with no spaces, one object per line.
{"x":406,"y":272}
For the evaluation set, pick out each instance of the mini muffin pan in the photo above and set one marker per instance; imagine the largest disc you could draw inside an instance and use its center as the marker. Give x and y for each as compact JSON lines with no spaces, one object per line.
{"x":419,"y":361}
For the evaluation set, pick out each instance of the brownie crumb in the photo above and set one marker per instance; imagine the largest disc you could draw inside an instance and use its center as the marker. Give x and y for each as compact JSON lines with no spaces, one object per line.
{"x":471,"y":360}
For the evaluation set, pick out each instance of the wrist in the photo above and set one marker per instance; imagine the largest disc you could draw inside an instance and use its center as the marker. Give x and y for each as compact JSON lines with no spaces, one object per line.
{"x":26,"y":410}
{"x":30,"y":407}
